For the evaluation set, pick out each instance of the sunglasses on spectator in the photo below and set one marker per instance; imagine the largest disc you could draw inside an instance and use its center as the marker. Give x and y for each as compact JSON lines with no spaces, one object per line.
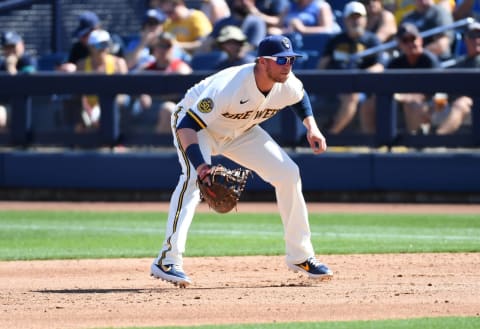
{"x":282,"y":60}
{"x":101,"y":45}
{"x":408,"y":39}
{"x":164,"y":46}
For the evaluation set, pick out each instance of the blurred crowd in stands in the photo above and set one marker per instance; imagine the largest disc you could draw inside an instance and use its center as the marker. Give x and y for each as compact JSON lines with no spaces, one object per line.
{"x":176,"y":38}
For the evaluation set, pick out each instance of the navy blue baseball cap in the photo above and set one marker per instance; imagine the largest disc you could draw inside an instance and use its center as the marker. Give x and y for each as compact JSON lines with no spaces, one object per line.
{"x":87,"y":21}
{"x":10,"y":38}
{"x":276,"y":45}
{"x":154,"y":15}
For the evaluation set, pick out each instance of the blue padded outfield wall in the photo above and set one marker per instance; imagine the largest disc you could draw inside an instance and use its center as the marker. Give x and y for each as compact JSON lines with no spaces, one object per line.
{"x":349,"y":172}
{"x":87,"y":167}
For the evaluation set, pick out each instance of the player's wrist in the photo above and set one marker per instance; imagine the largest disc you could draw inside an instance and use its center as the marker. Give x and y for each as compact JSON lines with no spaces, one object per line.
{"x":194,"y":155}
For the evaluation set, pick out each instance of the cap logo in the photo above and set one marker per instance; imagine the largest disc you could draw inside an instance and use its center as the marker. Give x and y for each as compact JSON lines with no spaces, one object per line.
{"x":285,"y":43}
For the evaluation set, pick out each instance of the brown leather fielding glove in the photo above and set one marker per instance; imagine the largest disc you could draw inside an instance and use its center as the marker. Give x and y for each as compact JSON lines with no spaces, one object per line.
{"x":226,"y":186}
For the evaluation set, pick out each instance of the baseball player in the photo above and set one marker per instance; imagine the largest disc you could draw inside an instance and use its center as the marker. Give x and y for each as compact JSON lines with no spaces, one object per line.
{"x":221,"y":115}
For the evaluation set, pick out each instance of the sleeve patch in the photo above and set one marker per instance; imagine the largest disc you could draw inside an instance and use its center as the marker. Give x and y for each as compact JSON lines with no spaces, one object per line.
{"x":205,"y":105}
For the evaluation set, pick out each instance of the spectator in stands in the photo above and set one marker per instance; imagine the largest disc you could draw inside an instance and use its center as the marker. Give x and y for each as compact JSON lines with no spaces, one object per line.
{"x":153,"y":3}
{"x":234,"y":43}
{"x":189,"y":26}
{"x":215,"y":10}
{"x":416,"y":107}
{"x":159,"y":108}
{"x":163,"y":49}
{"x":14,"y":58}
{"x":253,"y":27}
{"x":14,"y":61}
{"x":99,"y":61}
{"x":138,"y":49}
{"x":427,"y":15}
{"x":380,"y":20}
{"x":461,"y":106}
{"x":271,"y":12}
{"x":338,"y":56}
{"x":400,"y":8}
{"x":467,"y":8}
{"x":309,"y":16}
{"x":87,"y":22}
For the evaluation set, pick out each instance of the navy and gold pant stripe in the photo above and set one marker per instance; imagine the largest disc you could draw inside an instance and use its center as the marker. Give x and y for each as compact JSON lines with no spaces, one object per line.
{"x":184,"y":188}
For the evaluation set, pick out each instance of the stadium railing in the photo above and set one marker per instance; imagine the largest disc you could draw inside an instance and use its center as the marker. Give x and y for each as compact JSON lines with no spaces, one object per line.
{"x":20,"y":90}
{"x":425,"y":34}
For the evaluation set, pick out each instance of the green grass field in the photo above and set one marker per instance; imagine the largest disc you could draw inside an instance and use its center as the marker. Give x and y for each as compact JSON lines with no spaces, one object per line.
{"x":58,"y":235}
{"x":26,"y":235}
{"x":427,"y":323}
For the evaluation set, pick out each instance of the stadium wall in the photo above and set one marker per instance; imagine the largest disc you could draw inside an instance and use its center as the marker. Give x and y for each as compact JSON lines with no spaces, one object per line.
{"x":152,"y":176}
{"x":88,"y":174}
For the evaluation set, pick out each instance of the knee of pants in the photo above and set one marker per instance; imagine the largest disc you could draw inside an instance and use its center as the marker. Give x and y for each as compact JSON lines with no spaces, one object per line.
{"x":286,"y":174}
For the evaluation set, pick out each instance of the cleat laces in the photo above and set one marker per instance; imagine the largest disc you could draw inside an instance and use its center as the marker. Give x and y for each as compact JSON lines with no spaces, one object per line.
{"x":314,"y":262}
{"x":177,"y":268}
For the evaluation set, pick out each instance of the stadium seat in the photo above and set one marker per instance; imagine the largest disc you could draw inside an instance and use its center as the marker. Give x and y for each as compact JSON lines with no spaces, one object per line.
{"x":207,"y":61}
{"x":338,"y":5}
{"x":48,"y":62}
{"x":311,"y":46}
{"x":337,"y":9}
{"x":458,"y":47}
{"x":315,"y":41}
{"x":310,"y":60}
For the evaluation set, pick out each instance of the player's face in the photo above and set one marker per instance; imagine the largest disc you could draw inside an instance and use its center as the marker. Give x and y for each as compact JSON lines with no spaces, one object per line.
{"x":278,"y":68}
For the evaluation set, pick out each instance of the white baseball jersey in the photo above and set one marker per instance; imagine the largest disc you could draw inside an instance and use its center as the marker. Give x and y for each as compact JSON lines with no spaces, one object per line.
{"x":229,"y":102}
{"x":229,"y":106}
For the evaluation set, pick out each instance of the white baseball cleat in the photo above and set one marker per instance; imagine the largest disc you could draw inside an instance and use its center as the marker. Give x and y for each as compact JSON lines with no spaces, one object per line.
{"x":171,"y":273}
{"x":313,"y":268}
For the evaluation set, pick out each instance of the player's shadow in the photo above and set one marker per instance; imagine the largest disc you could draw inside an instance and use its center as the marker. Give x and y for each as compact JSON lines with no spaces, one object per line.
{"x":92,"y":291}
{"x":167,"y":288}
{"x":257,"y":286}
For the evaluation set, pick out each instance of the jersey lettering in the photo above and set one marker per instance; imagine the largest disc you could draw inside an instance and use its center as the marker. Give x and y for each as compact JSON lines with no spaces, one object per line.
{"x":265,"y":114}
{"x":238,"y":116}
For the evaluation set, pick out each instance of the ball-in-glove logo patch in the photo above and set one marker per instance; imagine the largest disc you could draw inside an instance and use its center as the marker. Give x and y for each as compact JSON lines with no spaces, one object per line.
{"x":205,"y":105}
{"x":285,"y":43}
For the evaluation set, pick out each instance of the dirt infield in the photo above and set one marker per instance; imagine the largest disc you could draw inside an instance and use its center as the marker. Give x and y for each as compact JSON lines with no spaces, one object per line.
{"x":119,"y":292}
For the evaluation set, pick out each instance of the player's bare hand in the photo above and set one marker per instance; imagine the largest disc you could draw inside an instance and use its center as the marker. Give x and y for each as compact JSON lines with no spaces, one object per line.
{"x":315,"y":138}
{"x":203,"y":172}
{"x":318,"y":144}
{"x":317,"y":141}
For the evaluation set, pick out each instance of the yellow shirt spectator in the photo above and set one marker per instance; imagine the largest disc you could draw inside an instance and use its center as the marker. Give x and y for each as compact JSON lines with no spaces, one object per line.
{"x":191,"y":28}
{"x":403,"y":7}
{"x":110,"y":67}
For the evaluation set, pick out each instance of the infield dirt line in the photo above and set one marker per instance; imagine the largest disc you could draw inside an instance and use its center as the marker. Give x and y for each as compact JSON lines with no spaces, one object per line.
{"x":248,"y":207}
